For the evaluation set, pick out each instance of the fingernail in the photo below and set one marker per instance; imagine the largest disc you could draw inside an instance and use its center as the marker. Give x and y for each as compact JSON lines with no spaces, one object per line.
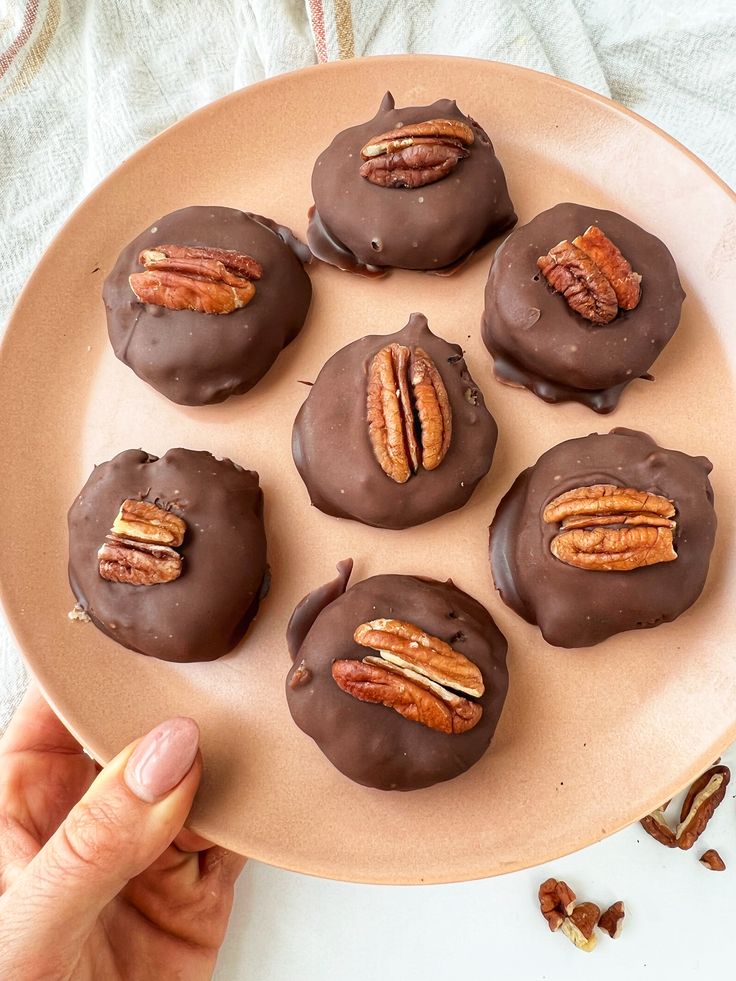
{"x":162,"y":759}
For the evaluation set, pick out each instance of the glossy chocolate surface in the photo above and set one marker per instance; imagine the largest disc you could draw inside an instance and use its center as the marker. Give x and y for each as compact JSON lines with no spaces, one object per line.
{"x":370,"y":743}
{"x":197,"y":358}
{"x":580,"y":607}
{"x":205,"y":612}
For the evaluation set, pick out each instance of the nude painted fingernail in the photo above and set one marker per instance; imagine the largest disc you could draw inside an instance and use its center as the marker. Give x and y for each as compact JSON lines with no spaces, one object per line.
{"x":162,"y":759}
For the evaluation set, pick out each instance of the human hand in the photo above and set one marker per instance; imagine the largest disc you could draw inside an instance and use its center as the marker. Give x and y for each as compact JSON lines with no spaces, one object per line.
{"x":97,"y":878}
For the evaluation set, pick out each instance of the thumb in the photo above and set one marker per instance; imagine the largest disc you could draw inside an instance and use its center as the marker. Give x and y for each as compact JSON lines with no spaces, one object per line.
{"x":127,"y":818}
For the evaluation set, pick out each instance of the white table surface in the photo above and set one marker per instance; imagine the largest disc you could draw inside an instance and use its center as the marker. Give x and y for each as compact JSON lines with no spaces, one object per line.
{"x":679,"y":922}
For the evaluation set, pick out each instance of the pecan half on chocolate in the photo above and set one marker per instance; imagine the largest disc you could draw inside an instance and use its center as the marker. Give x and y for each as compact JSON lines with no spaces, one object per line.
{"x":416,"y":674}
{"x":606,"y":528}
{"x":416,"y":154}
{"x":409,"y":412}
{"x":592,"y":275}
{"x":187,"y":277}
{"x":138,"y":550}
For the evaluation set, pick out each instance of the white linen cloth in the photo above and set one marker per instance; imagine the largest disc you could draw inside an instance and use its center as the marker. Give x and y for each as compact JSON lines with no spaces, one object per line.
{"x":83,"y":85}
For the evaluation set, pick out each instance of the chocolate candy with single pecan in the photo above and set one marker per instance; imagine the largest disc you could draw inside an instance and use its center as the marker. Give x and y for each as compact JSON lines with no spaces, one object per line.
{"x":578,"y":304}
{"x":414,"y":188}
{"x":202,"y":302}
{"x":400,"y":680}
{"x":168,"y":556}
{"x":394,"y":431}
{"x":584,"y":557}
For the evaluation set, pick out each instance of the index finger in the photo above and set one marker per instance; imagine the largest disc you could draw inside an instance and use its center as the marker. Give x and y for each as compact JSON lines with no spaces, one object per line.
{"x":35,"y":728}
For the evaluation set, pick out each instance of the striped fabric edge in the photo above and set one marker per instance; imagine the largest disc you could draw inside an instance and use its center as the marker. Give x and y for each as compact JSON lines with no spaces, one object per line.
{"x":332,"y":28}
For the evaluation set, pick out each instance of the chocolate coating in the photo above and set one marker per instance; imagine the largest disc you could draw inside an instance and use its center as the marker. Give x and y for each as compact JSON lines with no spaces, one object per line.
{"x":360,"y":226}
{"x":372,"y":744}
{"x":576,"y":607}
{"x":332,"y":448}
{"x":197,"y":358}
{"x":205,"y":612}
{"x":540,"y":343}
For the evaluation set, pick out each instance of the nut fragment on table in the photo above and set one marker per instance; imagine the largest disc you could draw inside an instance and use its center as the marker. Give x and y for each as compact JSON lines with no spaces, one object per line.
{"x":593,"y":276}
{"x":408,"y":410}
{"x":606,"y":528}
{"x":416,"y":674}
{"x":701,"y":800}
{"x":138,"y":550}
{"x":206,"y":280}
{"x":556,"y":901}
{"x":657,"y":825}
{"x":612,"y":920}
{"x":580,"y":925}
{"x":712,"y":860}
{"x":416,"y":154}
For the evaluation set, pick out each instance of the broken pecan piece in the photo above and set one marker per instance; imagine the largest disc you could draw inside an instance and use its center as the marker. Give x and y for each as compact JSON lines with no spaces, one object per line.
{"x":578,"y":927}
{"x":701,"y":800}
{"x":712,"y":860}
{"x":612,"y":920}
{"x":606,"y":528}
{"x":657,"y":825}
{"x":411,"y":647}
{"x":408,"y":410}
{"x":146,"y":522}
{"x":416,"y":674}
{"x":138,"y":550}
{"x":416,"y":154}
{"x":556,"y":901}
{"x":617,"y":270}
{"x":206,"y":280}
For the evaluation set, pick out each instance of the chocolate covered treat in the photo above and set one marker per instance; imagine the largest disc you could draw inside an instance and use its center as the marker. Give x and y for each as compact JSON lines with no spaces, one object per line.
{"x":603,"y":534}
{"x":394,"y":431}
{"x":400,"y":680}
{"x":417,"y":188}
{"x":168,"y":556}
{"x":200,"y":304}
{"x":579,"y":303}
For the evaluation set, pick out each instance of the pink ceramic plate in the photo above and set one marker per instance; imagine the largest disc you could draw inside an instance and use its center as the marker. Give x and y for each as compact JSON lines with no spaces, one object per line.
{"x":590,"y":740}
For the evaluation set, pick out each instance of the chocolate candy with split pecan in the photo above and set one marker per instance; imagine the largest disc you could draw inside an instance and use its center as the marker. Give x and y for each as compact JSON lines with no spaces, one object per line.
{"x":578,"y":304}
{"x":403,"y":699}
{"x":202,"y":302}
{"x":168,"y":556}
{"x":414,"y":188}
{"x":584,"y":557}
{"x":394,"y":431}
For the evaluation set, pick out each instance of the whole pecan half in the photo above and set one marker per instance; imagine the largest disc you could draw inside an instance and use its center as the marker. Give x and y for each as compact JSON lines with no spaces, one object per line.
{"x":592,"y":275}
{"x":206,"y":280}
{"x":416,"y":154}
{"x":410,"y":647}
{"x":409,"y":412}
{"x":138,"y":550}
{"x":416,"y":674}
{"x":146,"y":522}
{"x":606,"y":528}
{"x":701,"y":800}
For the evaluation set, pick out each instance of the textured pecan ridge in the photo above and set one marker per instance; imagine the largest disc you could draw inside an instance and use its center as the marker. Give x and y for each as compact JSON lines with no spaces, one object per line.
{"x":409,"y":412}
{"x":138,"y":550}
{"x":416,"y":154}
{"x":698,"y":807}
{"x":593,"y":276}
{"x":187,"y":277}
{"x":606,"y":528}
{"x":416,"y":674}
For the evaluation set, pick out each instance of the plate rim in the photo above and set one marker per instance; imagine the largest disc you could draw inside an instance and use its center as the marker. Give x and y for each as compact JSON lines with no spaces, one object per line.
{"x":337,"y":67}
